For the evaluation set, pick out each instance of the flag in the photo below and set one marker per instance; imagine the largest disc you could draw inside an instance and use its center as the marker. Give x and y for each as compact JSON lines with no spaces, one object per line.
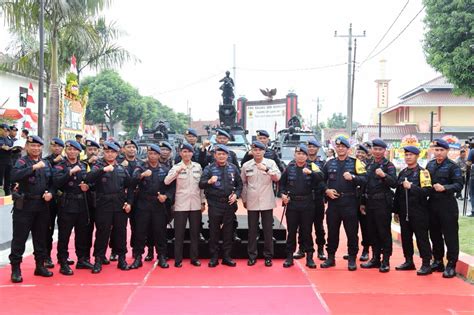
{"x":73,"y":67}
{"x":30,"y":119}
{"x":140,"y":129}
{"x":275,"y":129}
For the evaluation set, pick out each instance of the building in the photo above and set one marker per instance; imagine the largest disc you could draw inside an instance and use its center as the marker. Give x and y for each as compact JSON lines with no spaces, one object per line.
{"x":452,"y":114}
{"x":201,"y":125}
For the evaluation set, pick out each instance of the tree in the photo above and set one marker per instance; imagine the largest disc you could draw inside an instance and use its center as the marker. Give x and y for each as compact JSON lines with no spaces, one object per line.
{"x":69,"y":26}
{"x":336,"y":121}
{"x":111,"y":100}
{"x":449,"y":41}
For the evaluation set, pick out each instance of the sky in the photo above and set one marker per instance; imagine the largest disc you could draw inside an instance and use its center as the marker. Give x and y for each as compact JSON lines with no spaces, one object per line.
{"x":186,"y":46}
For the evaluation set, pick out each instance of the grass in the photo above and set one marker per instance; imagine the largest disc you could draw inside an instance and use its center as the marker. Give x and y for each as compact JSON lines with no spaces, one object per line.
{"x":466,"y":235}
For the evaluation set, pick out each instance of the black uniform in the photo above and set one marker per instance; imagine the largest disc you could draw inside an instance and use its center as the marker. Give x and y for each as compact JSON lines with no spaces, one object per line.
{"x":300,"y":210}
{"x":110,"y":198}
{"x":379,"y":203}
{"x":148,"y":210}
{"x":220,"y":212}
{"x":364,"y":228}
{"x":91,"y":205}
{"x":443,"y":209}
{"x":343,"y":209}
{"x":30,"y":210}
{"x":53,"y":211}
{"x":206,"y":158}
{"x":6,"y":164}
{"x":269,"y":154}
{"x":418,"y":217}
{"x":72,"y":210}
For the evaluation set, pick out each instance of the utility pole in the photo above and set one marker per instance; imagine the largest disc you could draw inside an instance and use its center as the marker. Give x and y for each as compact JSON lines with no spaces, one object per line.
{"x":350,"y":36}
{"x":318,"y":109}
{"x":41,"y":71}
{"x":431,"y":126}
{"x":234,"y":70}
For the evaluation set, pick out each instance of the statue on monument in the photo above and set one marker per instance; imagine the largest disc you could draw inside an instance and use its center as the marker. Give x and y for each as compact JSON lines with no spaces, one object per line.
{"x":227,"y":88}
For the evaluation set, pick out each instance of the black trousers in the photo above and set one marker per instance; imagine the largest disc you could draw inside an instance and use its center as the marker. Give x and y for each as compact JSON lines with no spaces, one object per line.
{"x":5,"y":177}
{"x":66,"y":222}
{"x":180,"y":219}
{"x":53,"y":214}
{"x":267,"y":223}
{"x":444,"y":228}
{"x":345,"y":213}
{"x":155,"y":214}
{"x":218,"y":217}
{"x":302,"y":219}
{"x":418,"y":224}
{"x":24,"y":222}
{"x":364,"y":228}
{"x":110,"y":223}
{"x":379,"y":220}
{"x":90,"y":229}
{"x":318,"y":224}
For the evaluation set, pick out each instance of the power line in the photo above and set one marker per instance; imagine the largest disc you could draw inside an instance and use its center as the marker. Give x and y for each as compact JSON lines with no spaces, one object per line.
{"x":396,"y":37}
{"x":293,"y":70}
{"x":191,"y":83}
{"x":386,"y":32}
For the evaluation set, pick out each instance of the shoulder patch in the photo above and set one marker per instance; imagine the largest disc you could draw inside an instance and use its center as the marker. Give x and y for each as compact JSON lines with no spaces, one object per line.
{"x":425,"y":178}
{"x":360,"y":167}
{"x":314,"y":167}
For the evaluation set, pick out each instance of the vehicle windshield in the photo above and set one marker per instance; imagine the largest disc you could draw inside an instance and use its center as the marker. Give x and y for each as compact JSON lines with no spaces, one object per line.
{"x":239,"y":140}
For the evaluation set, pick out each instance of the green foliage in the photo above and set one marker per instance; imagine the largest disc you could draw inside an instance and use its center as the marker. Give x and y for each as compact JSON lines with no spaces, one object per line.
{"x":336,"y":121}
{"x":111,"y":96}
{"x":449,"y":41}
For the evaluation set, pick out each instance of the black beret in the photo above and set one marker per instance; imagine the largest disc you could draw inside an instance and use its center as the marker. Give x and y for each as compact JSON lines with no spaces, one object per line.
{"x":221,"y":147}
{"x":34,"y":139}
{"x":167,"y":145}
{"x":191,"y":131}
{"x":441,"y":143}
{"x":186,"y":146}
{"x":411,"y":149}
{"x":263,"y":133}
{"x":343,"y":141}
{"x":302,"y":148}
{"x":74,"y":144}
{"x":258,"y":144}
{"x":128,"y":142}
{"x":224,"y":133}
{"x":111,"y":145}
{"x":379,"y":143}
{"x":92,"y":143}
{"x":314,"y":142}
{"x":363,"y":148}
{"x":57,"y":141}
{"x":154,"y":147}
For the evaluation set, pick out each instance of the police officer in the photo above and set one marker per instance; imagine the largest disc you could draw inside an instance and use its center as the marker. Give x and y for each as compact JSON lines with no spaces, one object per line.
{"x":318,"y":195}
{"x":414,"y":182}
{"x":296,"y":187}
{"x":166,"y":158}
{"x":258,"y":176}
{"x":16,"y":151}
{"x":381,"y":177}
{"x":342,"y":176}
{"x":6,"y":145}
{"x":191,"y":137}
{"x":207,"y":157}
{"x":446,"y":177}
{"x":30,"y":208}
{"x":362,"y":153}
{"x":69,"y":179}
{"x":56,"y":149}
{"x":264,"y":137}
{"x":150,"y":207}
{"x":222,"y":186}
{"x":113,"y":204}
{"x":91,"y":158}
{"x":189,"y":204}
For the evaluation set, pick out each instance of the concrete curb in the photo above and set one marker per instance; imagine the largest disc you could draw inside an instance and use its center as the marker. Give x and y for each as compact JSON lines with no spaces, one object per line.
{"x":464,"y":266}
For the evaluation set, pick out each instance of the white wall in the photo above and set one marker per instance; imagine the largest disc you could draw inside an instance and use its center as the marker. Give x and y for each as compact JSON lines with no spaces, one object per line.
{"x":10,"y":88}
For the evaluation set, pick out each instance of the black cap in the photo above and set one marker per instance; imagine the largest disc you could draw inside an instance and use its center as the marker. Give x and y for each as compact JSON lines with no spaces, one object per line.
{"x":34,"y":139}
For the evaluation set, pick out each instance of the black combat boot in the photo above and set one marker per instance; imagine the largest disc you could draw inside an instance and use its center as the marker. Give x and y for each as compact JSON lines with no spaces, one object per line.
{"x":213,"y":262}
{"x":437,"y":265}
{"x":373,"y":263}
{"x":365,"y":254}
{"x":97,"y":265}
{"x":299,"y":254}
{"x":385,"y":266}
{"x":236,"y":238}
{"x":162,"y":261}
{"x":122,"y":263}
{"x":48,"y":263}
{"x":137,"y":263}
{"x":41,"y":270}
{"x":288,"y":261}
{"x":351,"y":264}
{"x":16,"y":274}
{"x":105,"y":261}
{"x":321,"y":255}
{"x":229,"y":262}
{"x":330,"y":262}
{"x":65,"y":269}
{"x":345,"y":257}
{"x":84,"y":263}
{"x":70,"y":261}
{"x":407,"y":265}
{"x":113,"y":257}
{"x":149,"y":256}
{"x":309,"y":261}
{"x":425,"y":268}
{"x":450,"y":271}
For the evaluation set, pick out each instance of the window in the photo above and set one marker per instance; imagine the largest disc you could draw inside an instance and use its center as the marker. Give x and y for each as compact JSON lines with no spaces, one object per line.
{"x":23,"y":96}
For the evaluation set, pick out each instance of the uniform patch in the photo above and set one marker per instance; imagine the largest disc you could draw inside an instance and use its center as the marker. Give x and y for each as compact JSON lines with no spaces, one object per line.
{"x":360,"y":167}
{"x":315,"y":168}
{"x":425,"y":179}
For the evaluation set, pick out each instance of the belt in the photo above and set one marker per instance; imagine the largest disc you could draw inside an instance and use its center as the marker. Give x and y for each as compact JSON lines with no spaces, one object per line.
{"x":347,"y":194}
{"x":377,"y":196}
{"x":34,"y":197}
{"x":219,"y":199}
{"x":149,"y":197}
{"x":74,"y":196}
{"x":301,"y":197}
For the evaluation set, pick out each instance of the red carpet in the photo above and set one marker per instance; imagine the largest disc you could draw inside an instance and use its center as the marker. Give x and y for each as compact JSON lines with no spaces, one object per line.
{"x":240,"y":290}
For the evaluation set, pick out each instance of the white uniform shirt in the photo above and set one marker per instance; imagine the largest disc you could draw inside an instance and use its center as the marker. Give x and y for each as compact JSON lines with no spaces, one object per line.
{"x":188,"y":195}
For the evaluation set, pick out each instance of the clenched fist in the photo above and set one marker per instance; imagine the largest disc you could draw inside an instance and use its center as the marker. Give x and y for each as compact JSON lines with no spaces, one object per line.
{"x":212,"y":180}
{"x":109,"y":168}
{"x":380,"y":173}
{"x":75,"y":170}
{"x":306,"y":171}
{"x":39,"y":165}
{"x":347,"y":176}
{"x":146,"y":173}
